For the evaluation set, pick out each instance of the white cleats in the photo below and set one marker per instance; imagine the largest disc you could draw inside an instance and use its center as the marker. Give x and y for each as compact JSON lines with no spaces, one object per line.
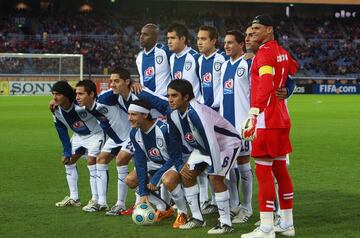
{"x":68,"y":202}
{"x":289,"y":231}
{"x":258,"y":233}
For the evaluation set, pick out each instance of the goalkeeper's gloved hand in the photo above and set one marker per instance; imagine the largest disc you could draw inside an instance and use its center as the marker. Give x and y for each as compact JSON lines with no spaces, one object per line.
{"x":248,"y":129}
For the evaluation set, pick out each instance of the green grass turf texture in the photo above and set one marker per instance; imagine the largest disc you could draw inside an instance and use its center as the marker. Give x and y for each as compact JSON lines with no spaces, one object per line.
{"x":324,"y":167}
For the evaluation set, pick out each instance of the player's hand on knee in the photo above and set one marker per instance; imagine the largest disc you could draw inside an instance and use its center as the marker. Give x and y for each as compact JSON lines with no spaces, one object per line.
{"x":248,"y":129}
{"x":152,"y":187}
{"x":65,"y":160}
{"x":144,"y":199}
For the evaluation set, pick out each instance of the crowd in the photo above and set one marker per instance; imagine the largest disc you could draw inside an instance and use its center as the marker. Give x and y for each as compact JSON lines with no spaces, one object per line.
{"x":323,"y":47}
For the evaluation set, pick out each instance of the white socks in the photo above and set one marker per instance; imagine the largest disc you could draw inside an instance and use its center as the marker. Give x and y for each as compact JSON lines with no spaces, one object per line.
{"x":192,"y":197}
{"x":122,"y":187}
{"x":222,"y":202}
{"x":164,"y":193}
{"x":246,"y":178}
{"x":93,"y":186}
{"x":102,"y":182}
{"x":72,"y":180}
{"x":203,"y":187}
{"x":267,"y":221}
{"x":232,"y":186}
{"x":178,"y":196}
{"x":286,"y":218}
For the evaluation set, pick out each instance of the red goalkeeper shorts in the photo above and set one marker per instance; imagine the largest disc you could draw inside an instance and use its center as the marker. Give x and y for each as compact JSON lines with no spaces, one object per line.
{"x":271,"y":143}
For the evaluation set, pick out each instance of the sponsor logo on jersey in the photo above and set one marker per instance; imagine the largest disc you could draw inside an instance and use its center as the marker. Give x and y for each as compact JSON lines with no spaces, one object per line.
{"x":149,"y":73}
{"x":78,"y":124}
{"x":217,"y":66}
{"x":178,"y":75}
{"x":229,"y":86}
{"x":189,"y":138}
{"x":154,"y":152}
{"x":240,"y":72}
{"x":206,"y":80}
{"x":159,"y":59}
{"x":188,"y":65}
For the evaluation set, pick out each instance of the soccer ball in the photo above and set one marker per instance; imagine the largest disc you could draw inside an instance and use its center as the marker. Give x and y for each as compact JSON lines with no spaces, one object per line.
{"x":143,"y":215}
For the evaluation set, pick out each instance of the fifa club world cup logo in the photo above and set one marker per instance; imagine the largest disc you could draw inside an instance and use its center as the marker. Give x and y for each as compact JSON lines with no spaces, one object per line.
{"x":207,"y":78}
{"x":149,"y":73}
{"x":178,"y":75}
{"x":228,"y":86}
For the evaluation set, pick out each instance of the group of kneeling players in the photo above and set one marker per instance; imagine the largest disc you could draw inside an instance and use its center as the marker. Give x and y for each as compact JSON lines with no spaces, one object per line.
{"x":190,"y":120}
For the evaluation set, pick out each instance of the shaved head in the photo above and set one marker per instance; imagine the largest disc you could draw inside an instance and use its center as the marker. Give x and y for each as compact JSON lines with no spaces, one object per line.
{"x":152,"y":27}
{"x":148,"y":36}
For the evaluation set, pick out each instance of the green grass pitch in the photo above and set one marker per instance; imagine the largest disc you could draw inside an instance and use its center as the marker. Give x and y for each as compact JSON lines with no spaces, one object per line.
{"x":324,"y":167}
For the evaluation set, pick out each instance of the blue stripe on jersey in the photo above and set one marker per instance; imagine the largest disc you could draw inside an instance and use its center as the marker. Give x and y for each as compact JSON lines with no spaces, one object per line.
{"x":228,"y":86}
{"x":148,"y":70}
{"x":75,"y":122}
{"x":105,"y":125}
{"x":189,"y":137}
{"x":152,"y":152}
{"x":178,"y":67}
{"x":155,"y":102}
{"x":206,"y":76}
{"x":225,"y":132}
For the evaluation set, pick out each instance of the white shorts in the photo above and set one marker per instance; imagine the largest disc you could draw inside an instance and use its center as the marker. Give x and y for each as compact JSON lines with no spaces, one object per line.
{"x":245,"y":148}
{"x":227,"y":160}
{"x":126,"y":146}
{"x":88,"y":144}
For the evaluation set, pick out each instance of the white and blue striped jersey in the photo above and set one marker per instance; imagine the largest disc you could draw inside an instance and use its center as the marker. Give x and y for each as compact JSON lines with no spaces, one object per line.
{"x":185,"y":65}
{"x":204,"y":129}
{"x":234,"y":96}
{"x":112,"y":117}
{"x":159,"y":104}
{"x":77,"y":119}
{"x":210,"y":75}
{"x":154,"y":68}
{"x":156,"y":151}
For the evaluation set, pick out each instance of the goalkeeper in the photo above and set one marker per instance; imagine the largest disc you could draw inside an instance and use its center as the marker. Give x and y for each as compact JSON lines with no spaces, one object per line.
{"x":268,"y":126}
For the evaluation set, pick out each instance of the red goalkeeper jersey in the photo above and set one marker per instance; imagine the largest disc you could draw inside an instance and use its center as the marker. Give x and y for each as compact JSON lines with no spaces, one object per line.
{"x":271,"y":66}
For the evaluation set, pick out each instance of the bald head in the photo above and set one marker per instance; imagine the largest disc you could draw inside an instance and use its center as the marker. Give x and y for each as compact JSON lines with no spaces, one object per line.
{"x":148,"y":36}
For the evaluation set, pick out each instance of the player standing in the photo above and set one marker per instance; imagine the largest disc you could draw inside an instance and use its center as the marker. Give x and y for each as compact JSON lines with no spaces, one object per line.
{"x":153,"y":61}
{"x":88,"y":136}
{"x":184,"y":60}
{"x":268,"y":126}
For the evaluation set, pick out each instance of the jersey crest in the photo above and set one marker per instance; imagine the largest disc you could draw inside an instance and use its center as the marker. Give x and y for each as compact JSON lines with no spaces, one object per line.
{"x":240,"y":72}
{"x":159,"y":59}
{"x":188,"y":65}
{"x":217,"y":66}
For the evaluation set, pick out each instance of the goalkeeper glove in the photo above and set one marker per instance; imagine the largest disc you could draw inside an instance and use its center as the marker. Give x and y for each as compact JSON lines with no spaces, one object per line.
{"x":248,"y":129}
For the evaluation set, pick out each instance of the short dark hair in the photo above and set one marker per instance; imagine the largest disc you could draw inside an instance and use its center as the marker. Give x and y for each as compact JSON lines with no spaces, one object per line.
{"x":88,"y":85}
{"x":180,"y":30}
{"x":123,"y":73}
{"x":183,"y":86}
{"x":213,"y":33}
{"x":239,"y":35}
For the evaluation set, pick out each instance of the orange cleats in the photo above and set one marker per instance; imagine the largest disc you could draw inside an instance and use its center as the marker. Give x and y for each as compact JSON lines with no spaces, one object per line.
{"x":181,"y":219}
{"x":161,"y":215}
{"x":127,"y":212}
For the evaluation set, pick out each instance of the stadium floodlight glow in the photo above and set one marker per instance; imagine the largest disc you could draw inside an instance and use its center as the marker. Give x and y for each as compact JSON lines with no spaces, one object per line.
{"x":42,"y":64}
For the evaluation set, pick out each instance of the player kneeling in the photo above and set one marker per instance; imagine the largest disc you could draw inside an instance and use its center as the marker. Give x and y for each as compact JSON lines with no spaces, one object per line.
{"x":157,"y":157}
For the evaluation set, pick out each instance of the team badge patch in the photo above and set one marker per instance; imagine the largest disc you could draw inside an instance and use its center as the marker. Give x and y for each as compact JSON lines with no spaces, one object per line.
{"x":159,"y":59}
{"x":240,"y":72}
{"x":217,"y":66}
{"x":159,"y":142}
{"x":83,"y":114}
{"x":228,"y":86}
{"x":103,"y":110}
{"x":189,"y":138}
{"x":188,"y":65}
